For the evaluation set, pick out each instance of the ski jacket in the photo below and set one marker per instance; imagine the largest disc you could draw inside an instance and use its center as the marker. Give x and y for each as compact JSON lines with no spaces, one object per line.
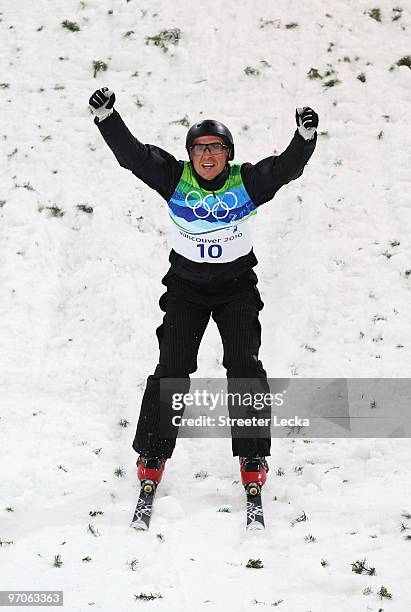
{"x":190,"y":197}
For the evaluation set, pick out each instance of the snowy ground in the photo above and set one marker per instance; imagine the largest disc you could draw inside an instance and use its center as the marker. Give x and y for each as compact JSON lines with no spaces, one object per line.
{"x":79,"y":301}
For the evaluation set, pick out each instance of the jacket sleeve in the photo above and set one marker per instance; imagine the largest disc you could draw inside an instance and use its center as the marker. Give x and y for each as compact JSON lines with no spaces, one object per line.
{"x":264,"y":179}
{"x":155,"y":167}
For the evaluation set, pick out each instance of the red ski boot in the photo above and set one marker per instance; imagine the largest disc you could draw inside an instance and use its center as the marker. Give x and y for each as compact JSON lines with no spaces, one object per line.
{"x":253,"y":473}
{"x":150,"y":471}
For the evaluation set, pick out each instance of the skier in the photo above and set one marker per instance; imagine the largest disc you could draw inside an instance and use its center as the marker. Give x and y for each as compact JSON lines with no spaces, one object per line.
{"x":211,"y":205}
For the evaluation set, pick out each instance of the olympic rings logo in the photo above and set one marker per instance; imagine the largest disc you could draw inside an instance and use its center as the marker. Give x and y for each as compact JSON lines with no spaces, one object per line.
{"x":219,"y":210}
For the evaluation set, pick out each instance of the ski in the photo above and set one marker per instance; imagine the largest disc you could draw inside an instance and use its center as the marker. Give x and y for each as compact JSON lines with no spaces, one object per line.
{"x":255,"y":512}
{"x":142,"y":513}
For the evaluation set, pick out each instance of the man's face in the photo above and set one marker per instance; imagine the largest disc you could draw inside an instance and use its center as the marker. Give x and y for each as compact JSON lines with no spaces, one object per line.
{"x":208,"y":165}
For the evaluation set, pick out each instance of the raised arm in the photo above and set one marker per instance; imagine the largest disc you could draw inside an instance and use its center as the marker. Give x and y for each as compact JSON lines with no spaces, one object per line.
{"x":155,"y":167}
{"x":264,"y":179}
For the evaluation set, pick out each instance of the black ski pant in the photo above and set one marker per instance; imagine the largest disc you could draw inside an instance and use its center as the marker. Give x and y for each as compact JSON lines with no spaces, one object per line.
{"x":188,"y":306}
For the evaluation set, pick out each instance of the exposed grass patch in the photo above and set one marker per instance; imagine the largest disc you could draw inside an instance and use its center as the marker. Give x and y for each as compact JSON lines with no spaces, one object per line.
{"x":148,"y":596}
{"x":404,"y":61}
{"x":331,"y":83}
{"x":6,"y":542}
{"x":302,"y":518}
{"x":72,"y":26}
{"x":384,"y":594}
{"x":314,"y":73}
{"x":99,"y":66}
{"x":375,"y":13}
{"x":91,"y":529}
{"x":133,"y":564}
{"x":311,"y":349}
{"x":54,"y":211}
{"x":201,"y":475}
{"x":397,"y":13}
{"x":164,"y":39}
{"x":310,"y":538}
{"x":255,"y":564}
{"x":251,"y":71}
{"x":184,"y":121}
{"x":85,"y":208}
{"x":360,"y":567}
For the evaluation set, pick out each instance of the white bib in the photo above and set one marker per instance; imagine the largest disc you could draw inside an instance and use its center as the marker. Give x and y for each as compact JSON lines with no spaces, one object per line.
{"x":220,"y":246}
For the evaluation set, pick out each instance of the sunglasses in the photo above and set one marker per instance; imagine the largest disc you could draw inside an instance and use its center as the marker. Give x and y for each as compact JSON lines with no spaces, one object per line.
{"x":216,"y":148}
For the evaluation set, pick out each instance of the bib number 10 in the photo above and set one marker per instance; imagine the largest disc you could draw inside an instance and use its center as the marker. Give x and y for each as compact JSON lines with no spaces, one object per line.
{"x":214,"y":251}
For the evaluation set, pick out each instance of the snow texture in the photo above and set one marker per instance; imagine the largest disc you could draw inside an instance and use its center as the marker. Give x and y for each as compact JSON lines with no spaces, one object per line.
{"x":79,"y":301}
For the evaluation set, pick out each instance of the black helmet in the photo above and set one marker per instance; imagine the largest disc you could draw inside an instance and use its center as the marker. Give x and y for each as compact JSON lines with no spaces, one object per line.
{"x":209,"y":127}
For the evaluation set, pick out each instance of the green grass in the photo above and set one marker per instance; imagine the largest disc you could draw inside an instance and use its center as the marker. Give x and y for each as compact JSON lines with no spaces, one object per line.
{"x":375,"y":13}
{"x":72,"y":26}
{"x":404,"y":61}
{"x":99,"y":66}
{"x":164,"y":39}
{"x":255,"y":564}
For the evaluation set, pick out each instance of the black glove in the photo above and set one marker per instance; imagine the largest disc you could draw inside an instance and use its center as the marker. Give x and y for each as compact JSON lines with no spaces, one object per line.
{"x":307,"y":122}
{"x":102,"y":102}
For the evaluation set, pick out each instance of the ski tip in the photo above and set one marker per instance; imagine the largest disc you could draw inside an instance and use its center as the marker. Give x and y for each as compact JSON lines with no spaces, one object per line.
{"x":255,"y":526}
{"x":139,"y":526}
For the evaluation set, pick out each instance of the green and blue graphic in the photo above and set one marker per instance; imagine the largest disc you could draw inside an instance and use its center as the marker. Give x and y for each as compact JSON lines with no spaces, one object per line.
{"x":197,"y":211}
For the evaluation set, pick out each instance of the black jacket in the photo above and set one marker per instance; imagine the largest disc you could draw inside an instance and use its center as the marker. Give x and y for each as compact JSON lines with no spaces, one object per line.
{"x":162,"y":172}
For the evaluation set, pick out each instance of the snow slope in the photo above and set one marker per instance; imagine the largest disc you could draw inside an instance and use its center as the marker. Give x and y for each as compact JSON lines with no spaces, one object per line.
{"x":79,"y":301}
